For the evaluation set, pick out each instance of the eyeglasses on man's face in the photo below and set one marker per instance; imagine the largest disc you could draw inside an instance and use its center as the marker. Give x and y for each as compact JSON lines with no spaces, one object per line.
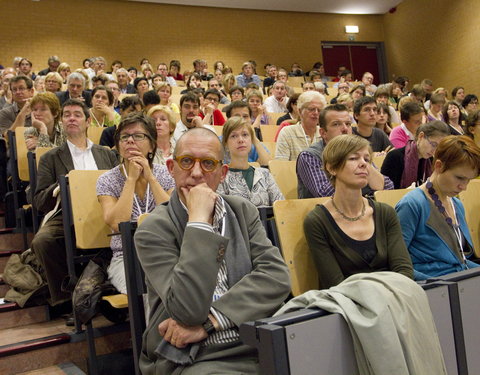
{"x":186,"y":162}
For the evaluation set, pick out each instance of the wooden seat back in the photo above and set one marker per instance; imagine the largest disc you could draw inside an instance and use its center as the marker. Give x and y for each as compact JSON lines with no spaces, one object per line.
{"x":91,"y":231}
{"x":285,"y":175}
{"x":289,"y":217}
{"x":390,"y":197}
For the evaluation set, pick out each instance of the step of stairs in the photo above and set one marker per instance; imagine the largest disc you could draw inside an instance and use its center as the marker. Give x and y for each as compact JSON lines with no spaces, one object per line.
{"x":43,"y":345}
{"x":67,"y":368}
{"x":11,"y":315}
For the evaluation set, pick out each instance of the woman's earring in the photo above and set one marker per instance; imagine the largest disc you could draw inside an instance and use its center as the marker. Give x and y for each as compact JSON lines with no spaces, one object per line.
{"x":150,"y":156}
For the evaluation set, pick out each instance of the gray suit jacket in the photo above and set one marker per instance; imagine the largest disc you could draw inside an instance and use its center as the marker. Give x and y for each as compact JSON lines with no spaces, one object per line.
{"x":58,"y":162}
{"x":181,"y":274}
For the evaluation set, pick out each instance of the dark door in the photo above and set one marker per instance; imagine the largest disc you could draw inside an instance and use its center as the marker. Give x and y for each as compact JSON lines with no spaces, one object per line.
{"x":359,"y":58}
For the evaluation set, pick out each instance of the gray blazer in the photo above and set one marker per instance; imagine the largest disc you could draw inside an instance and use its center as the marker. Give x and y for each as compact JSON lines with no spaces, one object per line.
{"x":167,"y":259}
{"x":58,"y":162}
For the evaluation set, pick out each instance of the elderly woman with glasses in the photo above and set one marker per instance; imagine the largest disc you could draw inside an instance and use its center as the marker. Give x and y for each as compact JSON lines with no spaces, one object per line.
{"x":294,"y":139}
{"x":412,"y":164}
{"x":134,"y":187}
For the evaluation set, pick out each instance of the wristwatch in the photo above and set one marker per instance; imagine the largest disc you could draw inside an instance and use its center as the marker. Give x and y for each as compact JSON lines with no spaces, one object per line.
{"x":208,"y":326}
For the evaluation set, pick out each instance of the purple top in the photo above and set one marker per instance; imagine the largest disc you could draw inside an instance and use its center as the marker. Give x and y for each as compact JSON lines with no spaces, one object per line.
{"x":112,"y":183}
{"x":310,"y":172}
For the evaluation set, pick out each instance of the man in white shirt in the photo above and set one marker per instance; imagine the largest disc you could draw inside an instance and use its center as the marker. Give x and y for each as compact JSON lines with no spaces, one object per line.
{"x":77,"y":153}
{"x":277,"y":102}
{"x":189,"y":116}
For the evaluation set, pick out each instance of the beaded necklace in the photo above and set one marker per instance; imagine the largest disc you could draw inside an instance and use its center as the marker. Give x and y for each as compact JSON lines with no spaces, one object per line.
{"x":356,"y":218}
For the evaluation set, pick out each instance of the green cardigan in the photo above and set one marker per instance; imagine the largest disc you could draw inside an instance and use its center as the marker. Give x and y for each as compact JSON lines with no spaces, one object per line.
{"x":335,"y":261}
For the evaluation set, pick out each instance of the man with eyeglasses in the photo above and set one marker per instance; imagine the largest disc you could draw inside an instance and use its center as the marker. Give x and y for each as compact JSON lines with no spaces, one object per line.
{"x":209,"y":268}
{"x":365,"y":113}
{"x":77,"y":153}
{"x":18,"y":113}
{"x":312,"y":179}
{"x":189,"y":116}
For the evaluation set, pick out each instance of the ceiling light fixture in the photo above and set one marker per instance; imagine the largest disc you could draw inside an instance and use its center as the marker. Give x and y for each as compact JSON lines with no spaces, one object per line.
{"x":351,"y":29}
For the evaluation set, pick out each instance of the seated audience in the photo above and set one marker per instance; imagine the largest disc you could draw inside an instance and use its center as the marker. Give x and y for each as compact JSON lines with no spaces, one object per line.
{"x":210,"y":113}
{"x":433,"y":219}
{"x":123,"y":80}
{"x":64,"y":71}
{"x":367,"y":81}
{"x":174,"y":70}
{"x":78,"y":152}
{"x":271,"y":77}
{"x":248,"y":75}
{"x":150,"y":99}
{"x":357,"y":92}
{"x":343,"y":88}
{"x":214,"y":84}
{"x":164,"y":90}
{"x":458,"y":94}
{"x":258,"y":153}
{"x":236,"y":93}
{"x":254,"y":184}
{"x":365,"y":113}
{"x":350,"y":234}
{"x":141,"y":86}
{"x":165,"y":125}
{"x":472,"y":127}
{"x":277,"y":102}
{"x":39,"y":84}
{"x":452,"y":115}
{"x":53,"y":63}
{"x":128,"y":105}
{"x":5,"y":92}
{"x":208,"y":267}
{"x":102,"y":112}
{"x":312,"y":179}
{"x":229,"y":82}
{"x":296,"y":70}
{"x":46,"y":130}
{"x":411,"y":165}
{"x":291,"y":117}
{"x":294,"y":139}
{"x":345,"y":77}
{"x":259,"y":113}
{"x":382,"y":95}
{"x":437,"y":102}
{"x":134,"y":187}
{"x":469,"y":104}
{"x":411,"y":115}
{"x":383,"y":118}
{"x":189,"y":116}
{"x":17,"y":114}
{"x":76,"y":89}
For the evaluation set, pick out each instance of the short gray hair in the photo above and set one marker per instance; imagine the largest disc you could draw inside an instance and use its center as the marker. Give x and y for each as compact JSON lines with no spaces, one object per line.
{"x":309,"y":96}
{"x":76,"y":75}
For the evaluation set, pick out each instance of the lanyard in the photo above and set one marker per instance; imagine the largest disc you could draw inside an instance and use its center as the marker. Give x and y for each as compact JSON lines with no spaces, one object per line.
{"x":458,"y":233}
{"x":147,"y":193}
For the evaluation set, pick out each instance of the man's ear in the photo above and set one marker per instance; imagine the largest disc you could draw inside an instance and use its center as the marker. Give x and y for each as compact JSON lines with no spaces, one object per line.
{"x":170,"y":165}
{"x":224,"y":172}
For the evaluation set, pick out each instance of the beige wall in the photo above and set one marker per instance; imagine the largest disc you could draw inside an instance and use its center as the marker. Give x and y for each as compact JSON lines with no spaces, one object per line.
{"x":75,"y":29}
{"x":436,"y":39}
